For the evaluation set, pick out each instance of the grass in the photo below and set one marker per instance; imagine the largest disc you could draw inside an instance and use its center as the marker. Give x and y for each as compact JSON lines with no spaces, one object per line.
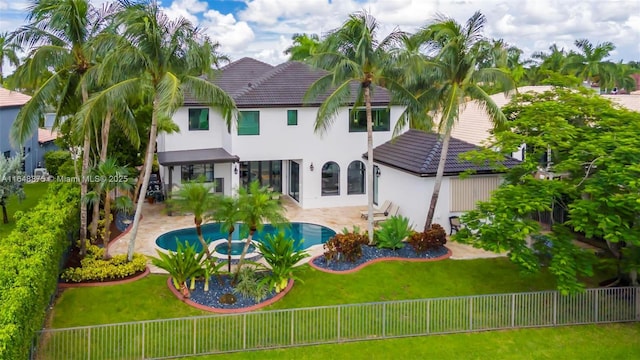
{"x":149,"y":298}
{"x":612,"y":341}
{"x":33,"y":192}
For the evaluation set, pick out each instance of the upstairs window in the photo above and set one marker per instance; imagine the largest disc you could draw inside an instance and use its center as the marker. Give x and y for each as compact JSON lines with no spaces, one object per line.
{"x":379,"y":117}
{"x":249,"y":123}
{"x":292,"y":117}
{"x":198,"y":119}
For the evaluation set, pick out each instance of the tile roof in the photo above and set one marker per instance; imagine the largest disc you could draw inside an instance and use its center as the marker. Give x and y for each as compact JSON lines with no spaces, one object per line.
{"x":10,"y":98}
{"x":46,"y":135}
{"x":252,"y":83}
{"x":418,"y":152}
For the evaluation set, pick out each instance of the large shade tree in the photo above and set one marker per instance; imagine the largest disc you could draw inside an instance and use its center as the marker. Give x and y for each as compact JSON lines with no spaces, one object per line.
{"x":164,"y":58}
{"x":353,"y":54}
{"x":61,"y":34}
{"x":454,"y":78}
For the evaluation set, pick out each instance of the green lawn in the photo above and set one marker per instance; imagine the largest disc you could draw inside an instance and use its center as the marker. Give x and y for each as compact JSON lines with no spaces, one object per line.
{"x":33,"y":192}
{"x":614,"y":341}
{"x":150,"y":298}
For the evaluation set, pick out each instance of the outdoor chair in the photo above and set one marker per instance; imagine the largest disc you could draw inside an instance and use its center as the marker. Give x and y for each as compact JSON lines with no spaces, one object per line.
{"x":377,"y":211}
{"x":393,"y":211}
{"x":454,"y":223}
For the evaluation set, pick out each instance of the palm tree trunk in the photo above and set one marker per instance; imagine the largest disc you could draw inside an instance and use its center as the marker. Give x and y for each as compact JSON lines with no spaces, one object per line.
{"x":244,"y":253}
{"x":107,"y":225}
{"x":103,"y":156}
{"x":198,"y":223}
{"x":148,"y":162}
{"x":138,"y":189}
{"x":231,"y":230}
{"x":5,"y":216}
{"x":367,"y":99}
{"x":86,"y":148}
{"x":438,"y":182}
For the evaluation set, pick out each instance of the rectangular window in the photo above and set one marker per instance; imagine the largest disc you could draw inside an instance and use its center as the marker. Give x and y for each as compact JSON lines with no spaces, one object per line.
{"x":198,"y":119}
{"x":192,"y":172}
{"x":219,"y":185}
{"x":249,"y":123}
{"x":292,"y":117}
{"x":379,"y":117}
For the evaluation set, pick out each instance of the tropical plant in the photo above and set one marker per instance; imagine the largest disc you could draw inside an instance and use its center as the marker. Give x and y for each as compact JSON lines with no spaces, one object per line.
{"x":392,"y":232}
{"x":255,"y":207}
{"x":249,"y":285}
{"x":345,"y":247}
{"x":209,"y":268}
{"x":554,"y":60}
{"x":95,"y":267}
{"x":456,"y":79}
{"x":7,"y":52}
{"x":195,"y":197}
{"x":182,"y":265}
{"x":304,"y":46}
{"x":280,"y":253}
{"x":162,"y":58}
{"x":107,"y":177}
{"x":427,"y":240}
{"x":61,"y":34}
{"x":11,"y":180}
{"x":589,"y":62}
{"x":352,"y":54}
{"x":227,"y":214}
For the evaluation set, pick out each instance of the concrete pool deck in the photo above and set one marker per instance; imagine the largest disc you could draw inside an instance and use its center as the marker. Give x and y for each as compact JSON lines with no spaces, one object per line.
{"x":156,"y":222}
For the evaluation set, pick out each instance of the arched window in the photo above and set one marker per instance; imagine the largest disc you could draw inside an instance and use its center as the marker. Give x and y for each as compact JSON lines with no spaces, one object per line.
{"x":355,"y":177}
{"x":330,"y":179}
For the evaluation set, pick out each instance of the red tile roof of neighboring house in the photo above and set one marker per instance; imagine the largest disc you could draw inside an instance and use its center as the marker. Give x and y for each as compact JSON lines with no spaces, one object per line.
{"x":46,"y":135}
{"x":12,"y":98}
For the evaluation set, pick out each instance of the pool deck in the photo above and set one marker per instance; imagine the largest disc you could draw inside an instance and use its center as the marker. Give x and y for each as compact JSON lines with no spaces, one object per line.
{"x":156,"y":222}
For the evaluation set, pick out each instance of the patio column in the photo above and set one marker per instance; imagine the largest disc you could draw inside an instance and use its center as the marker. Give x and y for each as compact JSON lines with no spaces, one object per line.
{"x":170,"y":187}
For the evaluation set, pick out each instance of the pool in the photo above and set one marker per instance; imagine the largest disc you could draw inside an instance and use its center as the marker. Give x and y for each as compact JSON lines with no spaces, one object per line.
{"x":236,"y":248}
{"x":312,"y":234}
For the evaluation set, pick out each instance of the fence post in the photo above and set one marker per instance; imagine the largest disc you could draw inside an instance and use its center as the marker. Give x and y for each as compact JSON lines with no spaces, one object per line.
{"x":384,"y":319}
{"x":428,"y":316}
{"x":144,"y":325}
{"x":595,"y":312}
{"x":292,"y":326}
{"x":513,"y":310}
{"x":244,"y":331}
{"x":338,"y":322}
{"x":195,"y":333}
{"x":555,"y":308}
{"x":471,"y":313}
{"x":637,"y":303}
{"x":89,"y":344}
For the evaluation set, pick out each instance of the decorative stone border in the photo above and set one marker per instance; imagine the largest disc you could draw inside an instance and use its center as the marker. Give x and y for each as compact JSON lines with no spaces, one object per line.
{"x":228,"y":311}
{"x":64,"y":285}
{"x":359,"y":267}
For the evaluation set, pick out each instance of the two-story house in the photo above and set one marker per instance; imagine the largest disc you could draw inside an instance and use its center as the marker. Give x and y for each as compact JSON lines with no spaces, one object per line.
{"x":273,"y":140}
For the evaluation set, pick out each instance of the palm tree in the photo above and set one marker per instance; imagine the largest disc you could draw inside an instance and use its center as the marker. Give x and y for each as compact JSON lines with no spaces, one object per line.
{"x":455,"y":79}
{"x":162,"y":57}
{"x":7,"y":52}
{"x":589,"y":63}
{"x":554,"y":60}
{"x":255,"y":207}
{"x":227,"y":213}
{"x":352,"y":54}
{"x":304,"y":46}
{"x":107,"y":177}
{"x":195,"y":197}
{"x":61,"y":34}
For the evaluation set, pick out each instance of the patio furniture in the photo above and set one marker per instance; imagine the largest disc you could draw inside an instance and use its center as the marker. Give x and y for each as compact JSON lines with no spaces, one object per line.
{"x":376,"y":211}
{"x":393,"y":211}
{"x":454,"y":223}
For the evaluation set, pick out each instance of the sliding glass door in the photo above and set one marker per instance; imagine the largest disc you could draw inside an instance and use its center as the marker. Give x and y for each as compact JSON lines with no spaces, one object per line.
{"x":294,"y":180}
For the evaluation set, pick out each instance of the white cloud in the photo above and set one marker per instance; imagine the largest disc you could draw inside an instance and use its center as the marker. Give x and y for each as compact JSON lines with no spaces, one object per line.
{"x":233,"y":35}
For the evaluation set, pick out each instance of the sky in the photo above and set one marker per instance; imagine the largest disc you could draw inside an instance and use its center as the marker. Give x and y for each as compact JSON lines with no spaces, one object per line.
{"x":262,"y":29}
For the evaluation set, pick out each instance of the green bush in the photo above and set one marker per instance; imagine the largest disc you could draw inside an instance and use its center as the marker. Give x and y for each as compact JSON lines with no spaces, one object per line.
{"x":183,"y":264}
{"x":31,"y":257}
{"x":67,"y":170}
{"x":392,"y":233}
{"x":54,"y":159}
{"x":431,"y":239}
{"x":279,"y":252}
{"x":94,"y":268}
{"x":345,"y":247}
{"x":250,"y":285}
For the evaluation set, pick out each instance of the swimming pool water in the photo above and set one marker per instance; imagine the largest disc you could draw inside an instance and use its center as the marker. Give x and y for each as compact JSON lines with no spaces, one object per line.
{"x":310,"y":234}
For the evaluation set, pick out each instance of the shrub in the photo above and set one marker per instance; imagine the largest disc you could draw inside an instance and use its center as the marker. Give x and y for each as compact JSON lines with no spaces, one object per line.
{"x":280,"y":253}
{"x":31,"y":257}
{"x":250,"y":285}
{"x":345,"y":247}
{"x":183,"y":264}
{"x":54,"y":159}
{"x":94,"y":268}
{"x":67,"y":168}
{"x":392,"y":233}
{"x":431,"y":239}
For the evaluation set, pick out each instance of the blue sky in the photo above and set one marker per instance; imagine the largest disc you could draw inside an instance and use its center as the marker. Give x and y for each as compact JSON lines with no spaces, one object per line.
{"x":263,"y":28}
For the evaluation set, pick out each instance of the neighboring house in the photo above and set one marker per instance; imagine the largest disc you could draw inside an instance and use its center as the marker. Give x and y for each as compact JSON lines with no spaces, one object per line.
{"x":36,"y":146}
{"x":406,"y":170}
{"x":274,"y":140}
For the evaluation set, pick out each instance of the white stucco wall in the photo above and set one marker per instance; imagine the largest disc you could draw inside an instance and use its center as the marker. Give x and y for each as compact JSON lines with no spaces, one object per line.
{"x":194,"y":139}
{"x":413,"y":194}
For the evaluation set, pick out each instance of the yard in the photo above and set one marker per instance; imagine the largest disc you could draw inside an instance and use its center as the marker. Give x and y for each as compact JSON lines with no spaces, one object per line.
{"x":33,"y":192}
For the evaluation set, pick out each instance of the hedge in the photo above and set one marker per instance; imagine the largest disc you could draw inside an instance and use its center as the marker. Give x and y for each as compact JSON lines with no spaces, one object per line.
{"x":31,"y":259}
